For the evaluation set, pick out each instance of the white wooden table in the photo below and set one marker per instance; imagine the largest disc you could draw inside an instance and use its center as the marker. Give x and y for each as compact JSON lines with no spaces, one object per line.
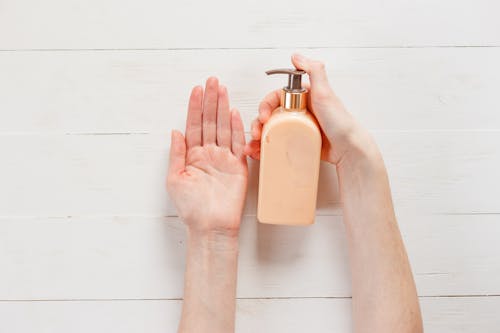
{"x":89,"y":91}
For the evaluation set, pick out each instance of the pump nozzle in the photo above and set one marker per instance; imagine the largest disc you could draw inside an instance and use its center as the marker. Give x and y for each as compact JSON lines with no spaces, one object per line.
{"x":293,"y":96}
{"x":294,"y":77}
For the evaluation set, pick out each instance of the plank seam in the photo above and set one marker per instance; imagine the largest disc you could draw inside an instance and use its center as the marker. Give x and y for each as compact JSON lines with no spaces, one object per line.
{"x":248,"y":48}
{"x":157,"y":132}
{"x":68,"y":217}
{"x":238,"y":298}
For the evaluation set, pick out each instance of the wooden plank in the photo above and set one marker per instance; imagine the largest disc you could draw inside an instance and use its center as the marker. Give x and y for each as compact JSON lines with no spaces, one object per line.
{"x":75,"y":175}
{"x":62,"y":24}
{"x":139,"y":91}
{"x":143,"y":258}
{"x":441,"y":315}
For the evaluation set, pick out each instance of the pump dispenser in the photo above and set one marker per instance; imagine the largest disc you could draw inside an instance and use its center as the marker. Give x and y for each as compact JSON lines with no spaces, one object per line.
{"x":289,"y":158}
{"x":293,"y":96}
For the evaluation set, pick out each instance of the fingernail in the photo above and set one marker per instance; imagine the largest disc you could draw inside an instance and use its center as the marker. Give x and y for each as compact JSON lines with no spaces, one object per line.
{"x":299,"y":58}
{"x":212,"y":81}
{"x":196,"y":89}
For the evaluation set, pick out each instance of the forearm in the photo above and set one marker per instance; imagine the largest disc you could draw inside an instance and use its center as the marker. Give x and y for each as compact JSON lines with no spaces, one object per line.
{"x":210,"y":283}
{"x":384,"y":294}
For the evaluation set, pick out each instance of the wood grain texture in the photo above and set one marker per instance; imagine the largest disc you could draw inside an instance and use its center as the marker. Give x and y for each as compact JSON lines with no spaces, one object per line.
{"x":62,"y":24}
{"x":143,"y":258}
{"x":74,"y":175}
{"x":139,"y":91}
{"x":89,"y":91}
{"x":441,"y":315}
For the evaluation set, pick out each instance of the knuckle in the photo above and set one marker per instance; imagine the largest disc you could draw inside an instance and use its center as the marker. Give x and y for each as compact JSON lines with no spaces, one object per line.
{"x":263,"y":106}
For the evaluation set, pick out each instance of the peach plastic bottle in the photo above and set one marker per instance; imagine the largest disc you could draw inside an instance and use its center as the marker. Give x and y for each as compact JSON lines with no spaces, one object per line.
{"x":289,"y":158}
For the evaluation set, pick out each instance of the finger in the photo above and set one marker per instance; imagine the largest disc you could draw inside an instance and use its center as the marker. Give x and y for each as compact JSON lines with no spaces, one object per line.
{"x":307,"y":86}
{"x":209,"y":114}
{"x":223,"y":119}
{"x":193,"y":122}
{"x":256,"y":129}
{"x":252,"y":149}
{"x":177,"y":160}
{"x":315,"y":69}
{"x":268,"y":104}
{"x":238,"y":134}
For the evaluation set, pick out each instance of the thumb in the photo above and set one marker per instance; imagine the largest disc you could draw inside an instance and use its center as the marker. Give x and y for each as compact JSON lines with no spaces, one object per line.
{"x":177,"y":160}
{"x":316,"y":71}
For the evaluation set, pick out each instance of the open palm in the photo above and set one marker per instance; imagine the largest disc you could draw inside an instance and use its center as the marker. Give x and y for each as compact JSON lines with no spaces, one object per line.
{"x":208,"y":173}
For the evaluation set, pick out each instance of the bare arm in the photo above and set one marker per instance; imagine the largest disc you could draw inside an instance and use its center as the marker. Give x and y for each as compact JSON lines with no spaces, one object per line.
{"x":384,"y":294}
{"x":383,"y":290}
{"x":210,"y":283}
{"x":207,"y":181}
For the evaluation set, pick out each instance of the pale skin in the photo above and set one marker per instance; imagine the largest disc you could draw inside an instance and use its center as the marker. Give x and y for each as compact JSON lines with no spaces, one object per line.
{"x":207,"y":181}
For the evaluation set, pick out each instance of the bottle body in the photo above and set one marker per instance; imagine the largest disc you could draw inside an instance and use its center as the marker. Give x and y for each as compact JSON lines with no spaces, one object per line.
{"x":289,"y":168}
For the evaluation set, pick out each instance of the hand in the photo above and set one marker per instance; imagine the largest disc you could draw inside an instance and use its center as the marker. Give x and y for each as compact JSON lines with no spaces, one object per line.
{"x":342,"y":135}
{"x":207,"y":176}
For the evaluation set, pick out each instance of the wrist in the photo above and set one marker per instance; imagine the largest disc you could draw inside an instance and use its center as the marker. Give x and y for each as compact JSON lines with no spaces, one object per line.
{"x":213,"y":239}
{"x":362,"y":157}
{"x":209,"y":227}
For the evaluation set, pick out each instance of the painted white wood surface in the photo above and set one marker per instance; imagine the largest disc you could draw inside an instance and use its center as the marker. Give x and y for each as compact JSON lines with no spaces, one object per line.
{"x":443,"y":315}
{"x":57,"y":24}
{"x":141,"y":258}
{"x":453,"y":172}
{"x":90,"y":90}
{"x":145,"y":91}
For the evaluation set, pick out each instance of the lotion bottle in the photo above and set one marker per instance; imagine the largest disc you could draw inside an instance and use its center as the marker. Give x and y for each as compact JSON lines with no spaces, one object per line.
{"x":289,"y":158}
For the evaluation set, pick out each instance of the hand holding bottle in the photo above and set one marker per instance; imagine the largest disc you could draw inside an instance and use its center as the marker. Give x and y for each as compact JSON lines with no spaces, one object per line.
{"x":343,"y":137}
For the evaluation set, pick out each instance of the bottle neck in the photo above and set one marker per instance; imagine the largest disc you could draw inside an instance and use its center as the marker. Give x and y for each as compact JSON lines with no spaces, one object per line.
{"x":292,"y":100}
